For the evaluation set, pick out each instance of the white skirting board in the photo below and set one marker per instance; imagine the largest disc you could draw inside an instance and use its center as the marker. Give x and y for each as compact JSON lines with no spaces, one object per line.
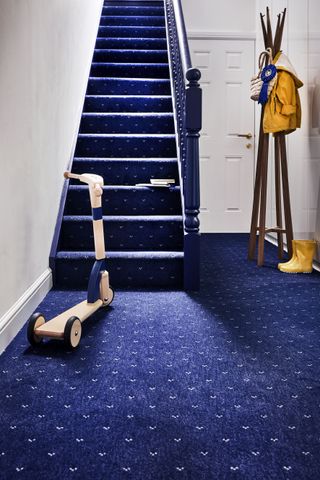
{"x":14,"y":319}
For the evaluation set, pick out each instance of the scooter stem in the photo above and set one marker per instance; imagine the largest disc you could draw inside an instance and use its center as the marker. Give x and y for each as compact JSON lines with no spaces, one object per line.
{"x":95,"y":183}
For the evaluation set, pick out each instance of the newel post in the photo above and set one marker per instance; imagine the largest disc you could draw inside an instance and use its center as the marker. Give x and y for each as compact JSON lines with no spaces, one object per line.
{"x":193,"y":114}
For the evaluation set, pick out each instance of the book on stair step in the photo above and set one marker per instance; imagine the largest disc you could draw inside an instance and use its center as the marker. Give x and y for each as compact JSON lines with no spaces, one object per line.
{"x":157,"y":182}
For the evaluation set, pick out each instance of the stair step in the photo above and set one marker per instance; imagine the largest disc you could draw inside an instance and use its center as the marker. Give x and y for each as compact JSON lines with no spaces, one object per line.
{"x":130,"y":70}
{"x":155,"y":232}
{"x":116,"y":171}
{"x":133,"y":10}
{"x":126,"y":146}
{"x":132,"y":3}
{"x":131,"y":43}
{"x":130,"y":55}
{"x":139,"y":32}
{"x":126,"y":135}
{"x":126,"y":200}
{"x":133,"y":20}
{"x":127,"y":86}
{"x":127,"y":123}
{"x":126,"y":269}
{"x":128,"y":103}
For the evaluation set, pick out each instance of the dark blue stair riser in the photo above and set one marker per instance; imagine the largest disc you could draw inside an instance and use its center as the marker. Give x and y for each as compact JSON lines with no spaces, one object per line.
{"x":131,"y":3}
{"x":126,"y":146}
{"x":144,"y":273}
{"x":126,"y":201}
{"x":132,"y":32}
{"x":128,"y":104}
{"x":131,"y":43}
{"x":123,"y":234}
{"x":128,"y":172}
{"x":125,"y":86}
{"x":133,"y":20}
{"x":128,"y":70}
{"x":130,"y":56}
{"x":132,"y":10}
{"x":124,"y":123}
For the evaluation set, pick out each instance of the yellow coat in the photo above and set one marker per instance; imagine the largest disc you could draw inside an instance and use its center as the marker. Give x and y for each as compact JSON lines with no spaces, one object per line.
{"x":282,"y":111}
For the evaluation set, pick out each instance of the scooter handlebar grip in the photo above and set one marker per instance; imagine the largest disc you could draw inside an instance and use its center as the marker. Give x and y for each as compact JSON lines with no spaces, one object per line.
{"x":72,"y":175}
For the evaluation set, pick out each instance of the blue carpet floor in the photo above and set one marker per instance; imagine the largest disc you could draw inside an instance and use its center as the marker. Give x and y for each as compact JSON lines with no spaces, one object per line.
{"x":222,"y":384}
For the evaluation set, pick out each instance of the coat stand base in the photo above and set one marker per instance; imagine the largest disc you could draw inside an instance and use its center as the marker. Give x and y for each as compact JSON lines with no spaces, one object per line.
{"x":282,"y":196}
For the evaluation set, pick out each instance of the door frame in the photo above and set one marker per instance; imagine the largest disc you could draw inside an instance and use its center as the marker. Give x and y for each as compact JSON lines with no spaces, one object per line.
{"x":241,"y":36}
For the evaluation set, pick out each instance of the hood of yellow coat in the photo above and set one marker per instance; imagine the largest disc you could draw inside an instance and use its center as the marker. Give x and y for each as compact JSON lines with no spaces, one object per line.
{"x":282,"y":62}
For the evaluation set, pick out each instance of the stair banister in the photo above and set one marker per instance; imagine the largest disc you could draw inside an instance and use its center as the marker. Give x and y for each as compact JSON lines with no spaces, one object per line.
{"x":182,"y":36}
{"x":188,"y":108}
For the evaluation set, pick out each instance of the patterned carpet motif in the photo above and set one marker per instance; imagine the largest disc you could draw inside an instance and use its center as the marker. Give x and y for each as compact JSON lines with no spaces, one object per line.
{"x":218,"y":385}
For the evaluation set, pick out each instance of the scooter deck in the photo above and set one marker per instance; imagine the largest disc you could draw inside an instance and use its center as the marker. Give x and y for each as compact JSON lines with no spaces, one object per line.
{"x":55,"y":327}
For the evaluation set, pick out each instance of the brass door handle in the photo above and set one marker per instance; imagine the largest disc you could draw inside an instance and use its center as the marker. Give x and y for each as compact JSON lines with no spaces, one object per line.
{"x":245,"y":135}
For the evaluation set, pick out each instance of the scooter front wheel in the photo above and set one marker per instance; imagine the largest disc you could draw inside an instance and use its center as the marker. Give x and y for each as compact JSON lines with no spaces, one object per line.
{"x":72,"y":332}
{"x":35,"y":321}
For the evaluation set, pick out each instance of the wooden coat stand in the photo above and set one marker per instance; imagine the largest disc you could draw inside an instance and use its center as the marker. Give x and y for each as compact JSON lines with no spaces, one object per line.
{"x":258,"y":219}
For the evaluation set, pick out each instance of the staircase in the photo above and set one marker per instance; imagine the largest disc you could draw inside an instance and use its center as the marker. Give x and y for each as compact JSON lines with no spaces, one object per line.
{"x":127,"y":135}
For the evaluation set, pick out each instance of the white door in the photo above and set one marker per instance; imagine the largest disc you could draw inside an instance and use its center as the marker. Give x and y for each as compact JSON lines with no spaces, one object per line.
{"x":227,"y":159}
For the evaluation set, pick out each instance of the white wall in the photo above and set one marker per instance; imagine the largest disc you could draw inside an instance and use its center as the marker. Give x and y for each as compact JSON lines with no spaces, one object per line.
{"x":216,"y":16}
{"x":45,"y":55}
{"x":302,"y":44}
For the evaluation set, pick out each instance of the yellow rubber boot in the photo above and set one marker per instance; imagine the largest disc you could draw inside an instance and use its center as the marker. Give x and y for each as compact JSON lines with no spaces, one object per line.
{"x":305,"y":250}
{"x":292,"y":259}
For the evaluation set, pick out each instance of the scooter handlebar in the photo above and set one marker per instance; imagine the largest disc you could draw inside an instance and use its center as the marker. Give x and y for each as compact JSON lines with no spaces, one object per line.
{"x":71,"y":175}
{"x":91,"y":179}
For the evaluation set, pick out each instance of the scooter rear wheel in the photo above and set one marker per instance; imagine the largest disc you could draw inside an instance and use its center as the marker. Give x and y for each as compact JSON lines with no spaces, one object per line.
{"x":72,"y":332}
{"x":109,"y":300}
{"x":35,"y":321}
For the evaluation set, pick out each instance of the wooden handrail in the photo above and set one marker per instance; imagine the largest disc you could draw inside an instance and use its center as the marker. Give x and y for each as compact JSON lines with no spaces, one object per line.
{"x":182,"y":36}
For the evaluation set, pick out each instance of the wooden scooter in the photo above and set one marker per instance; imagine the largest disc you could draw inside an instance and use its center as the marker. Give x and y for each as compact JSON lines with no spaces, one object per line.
{"x":68,"y":325}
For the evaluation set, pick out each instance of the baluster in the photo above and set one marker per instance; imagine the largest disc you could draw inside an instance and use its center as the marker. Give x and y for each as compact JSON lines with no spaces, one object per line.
{"x":192,"y":180}
{"x":187,"y":100}
{"x":193,"y":126}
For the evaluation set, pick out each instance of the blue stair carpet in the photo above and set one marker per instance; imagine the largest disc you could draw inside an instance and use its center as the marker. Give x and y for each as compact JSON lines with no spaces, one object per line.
{"x":222,"y":384}
{"x":127,"y":135}
{"x":106,"y":55}
{"x":128,"y":103}
{"x":143,"y":70}
{"x":132,"y":19}
{"x":134,"y":10}
{"x":132,"y":32}
{"x":125,"y":171}
{"x":121,"y":123}
{"x":125,"y":86}
{"x":131,"y":43}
